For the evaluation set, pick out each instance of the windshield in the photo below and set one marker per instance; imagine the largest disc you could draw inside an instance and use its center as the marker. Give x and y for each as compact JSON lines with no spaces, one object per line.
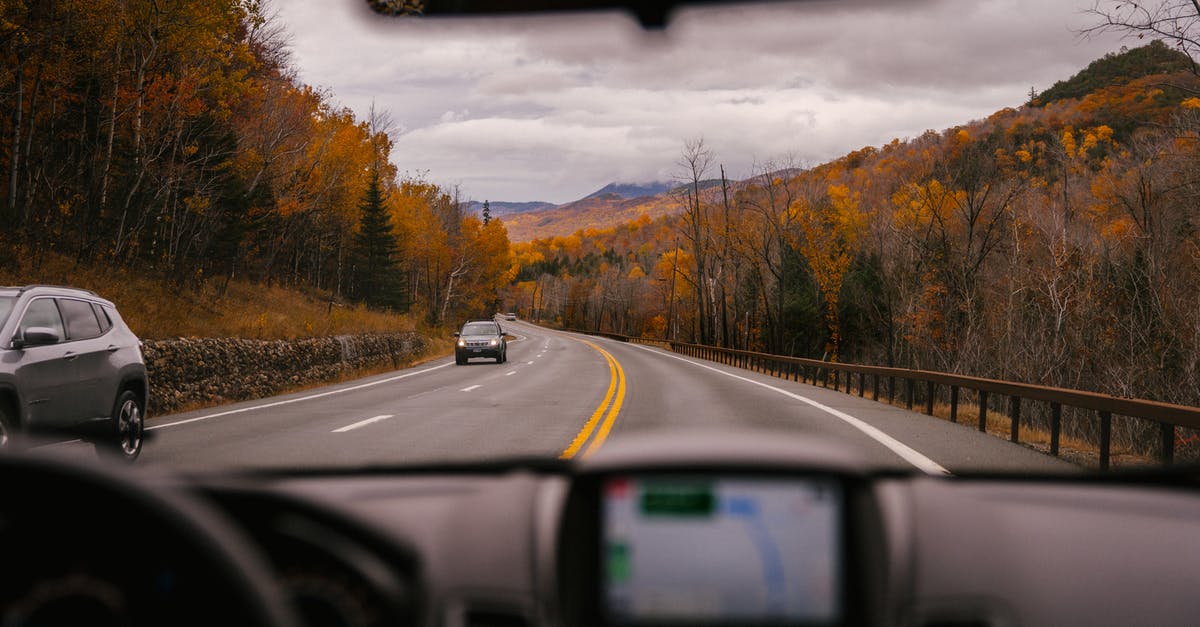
{"x":861,"y":222}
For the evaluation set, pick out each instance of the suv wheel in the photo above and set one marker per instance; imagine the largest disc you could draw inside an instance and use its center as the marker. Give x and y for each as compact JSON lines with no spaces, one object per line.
{"x":128,"y":423}
{"x":459,"y":361}
{"x":7,"y":428}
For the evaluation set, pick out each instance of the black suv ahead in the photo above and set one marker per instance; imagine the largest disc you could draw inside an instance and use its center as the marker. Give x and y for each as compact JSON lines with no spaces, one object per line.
{"x":480,"y":338}
{"x":68,"y":363}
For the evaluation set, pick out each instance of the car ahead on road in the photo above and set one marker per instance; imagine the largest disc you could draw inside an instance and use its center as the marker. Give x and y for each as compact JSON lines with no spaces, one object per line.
{"x":68,"y":363}
{"x":480,"y":338}
{"x":510,"y":316}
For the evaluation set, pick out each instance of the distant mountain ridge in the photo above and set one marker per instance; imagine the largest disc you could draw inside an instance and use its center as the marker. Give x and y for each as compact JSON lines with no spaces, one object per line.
{"x":632,"y":190}
{"x":501,"y":208}
{"x":613,"y":204}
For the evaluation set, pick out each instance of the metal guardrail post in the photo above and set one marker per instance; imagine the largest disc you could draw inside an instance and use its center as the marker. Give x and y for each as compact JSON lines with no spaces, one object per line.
{"x":954,"y":403}
{"x":1105,"y":438}
{"x":982,"y":411}
{"x":1014,"y":413}
{"x":1168,"y":443}
{"x":1055,"y":427}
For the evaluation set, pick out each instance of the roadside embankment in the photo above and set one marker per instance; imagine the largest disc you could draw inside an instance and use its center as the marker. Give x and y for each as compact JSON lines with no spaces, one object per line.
{"x":187,"y":372}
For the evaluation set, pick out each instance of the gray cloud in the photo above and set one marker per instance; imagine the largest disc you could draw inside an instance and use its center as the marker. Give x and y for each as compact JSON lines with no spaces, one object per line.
{"x":554,"y":108}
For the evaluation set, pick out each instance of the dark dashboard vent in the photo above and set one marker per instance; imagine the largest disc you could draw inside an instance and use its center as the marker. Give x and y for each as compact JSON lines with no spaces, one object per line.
{"x":495,"y":618}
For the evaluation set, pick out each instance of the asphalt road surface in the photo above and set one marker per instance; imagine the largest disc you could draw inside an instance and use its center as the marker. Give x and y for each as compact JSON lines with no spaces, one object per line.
{"x":559,"y":395}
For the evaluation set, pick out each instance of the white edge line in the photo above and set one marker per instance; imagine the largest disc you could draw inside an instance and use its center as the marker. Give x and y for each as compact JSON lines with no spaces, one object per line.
{"x":361,"y":423}
{"x":297,"y":400}
{"x":468,"y":389}
{"x":906,"y":452}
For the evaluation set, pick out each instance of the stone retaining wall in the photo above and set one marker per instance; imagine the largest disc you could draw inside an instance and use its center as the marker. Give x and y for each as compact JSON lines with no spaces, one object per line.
{"x":187,"y":371}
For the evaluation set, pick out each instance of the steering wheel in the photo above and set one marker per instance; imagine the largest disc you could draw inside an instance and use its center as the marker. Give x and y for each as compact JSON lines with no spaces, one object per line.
{"x":89,"y":544}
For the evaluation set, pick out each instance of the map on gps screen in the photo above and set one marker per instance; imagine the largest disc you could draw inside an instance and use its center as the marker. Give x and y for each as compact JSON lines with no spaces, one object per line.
{"x":720,"y":549}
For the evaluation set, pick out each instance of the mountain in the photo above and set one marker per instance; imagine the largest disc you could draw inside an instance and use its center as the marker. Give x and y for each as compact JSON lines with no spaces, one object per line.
{"x":632,"y":190}
{"x":613,"y":204}
{"x":500,"y":208}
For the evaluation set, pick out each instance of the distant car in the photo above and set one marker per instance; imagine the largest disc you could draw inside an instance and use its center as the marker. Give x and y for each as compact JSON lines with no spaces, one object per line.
{"x":480,"y":338}
{"x":510,"y":316}
{"x":68,"y":363}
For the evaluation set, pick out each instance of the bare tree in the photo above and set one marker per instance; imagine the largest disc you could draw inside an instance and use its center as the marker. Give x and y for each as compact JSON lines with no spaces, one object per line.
{"x":694,"y":163}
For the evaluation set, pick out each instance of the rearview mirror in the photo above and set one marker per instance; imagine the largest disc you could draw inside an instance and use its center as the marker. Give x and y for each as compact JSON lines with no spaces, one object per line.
{"x":651,"y":13}
{"x":38,"y":336}
{"x":457,"y":334}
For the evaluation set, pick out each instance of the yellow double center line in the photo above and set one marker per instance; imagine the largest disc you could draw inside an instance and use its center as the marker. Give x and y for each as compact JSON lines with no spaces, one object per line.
{"x":612,"y":402}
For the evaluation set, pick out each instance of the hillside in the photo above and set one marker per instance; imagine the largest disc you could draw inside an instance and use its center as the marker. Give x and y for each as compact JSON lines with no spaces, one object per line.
{"x":1117,"y":69}
{"x":1053,"y":244}
{"x":157,"y":309}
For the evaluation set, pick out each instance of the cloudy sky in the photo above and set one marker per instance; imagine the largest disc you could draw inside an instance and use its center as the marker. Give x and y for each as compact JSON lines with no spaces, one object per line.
{"x":552,"y":109}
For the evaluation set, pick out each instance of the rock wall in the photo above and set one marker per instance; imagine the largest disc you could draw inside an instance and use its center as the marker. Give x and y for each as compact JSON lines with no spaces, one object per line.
{"x":187,"y":371}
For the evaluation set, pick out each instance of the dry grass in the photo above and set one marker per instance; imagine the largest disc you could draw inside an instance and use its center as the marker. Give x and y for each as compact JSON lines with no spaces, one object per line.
{"x":155,"y":309}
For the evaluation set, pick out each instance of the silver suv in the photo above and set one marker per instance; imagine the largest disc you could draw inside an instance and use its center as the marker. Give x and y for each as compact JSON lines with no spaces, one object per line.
{"x":69,"y":364}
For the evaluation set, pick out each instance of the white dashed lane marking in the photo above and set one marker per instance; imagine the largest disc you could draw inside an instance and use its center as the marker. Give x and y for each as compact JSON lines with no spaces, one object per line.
{"x":470,"y":388}
{"x":362,"y":423}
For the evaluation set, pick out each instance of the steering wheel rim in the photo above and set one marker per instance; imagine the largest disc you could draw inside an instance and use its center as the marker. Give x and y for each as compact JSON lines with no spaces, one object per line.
{"x":44,"y":494}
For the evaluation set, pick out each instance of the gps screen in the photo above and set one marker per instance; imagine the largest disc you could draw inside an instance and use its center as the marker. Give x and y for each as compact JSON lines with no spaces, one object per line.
{"x":696,"y":549}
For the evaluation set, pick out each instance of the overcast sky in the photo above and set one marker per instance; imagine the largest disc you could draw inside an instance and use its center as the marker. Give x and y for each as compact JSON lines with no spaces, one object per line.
{"x":552,"y":109}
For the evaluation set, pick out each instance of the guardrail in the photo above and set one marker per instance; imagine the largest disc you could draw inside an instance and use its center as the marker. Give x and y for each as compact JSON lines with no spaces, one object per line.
{"x":1169,"y":417}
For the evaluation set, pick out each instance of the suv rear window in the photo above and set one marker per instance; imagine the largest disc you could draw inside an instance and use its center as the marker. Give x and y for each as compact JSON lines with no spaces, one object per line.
{"x":80,"y":318}
{"x":480,"y":328}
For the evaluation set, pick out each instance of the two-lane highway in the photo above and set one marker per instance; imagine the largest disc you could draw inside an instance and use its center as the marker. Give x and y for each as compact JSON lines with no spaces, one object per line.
{"x":559,"y":395}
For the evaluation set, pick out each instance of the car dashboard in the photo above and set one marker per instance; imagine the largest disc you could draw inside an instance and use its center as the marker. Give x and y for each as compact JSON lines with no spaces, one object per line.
{"x":653,"y":530}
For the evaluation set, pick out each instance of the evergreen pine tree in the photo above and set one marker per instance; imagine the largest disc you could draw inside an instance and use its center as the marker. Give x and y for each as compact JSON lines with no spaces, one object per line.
{"x":487,"y":213}
{"x":378,"y":279}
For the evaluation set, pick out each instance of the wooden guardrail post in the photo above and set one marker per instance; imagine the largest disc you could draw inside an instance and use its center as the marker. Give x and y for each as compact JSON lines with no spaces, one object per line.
{"x":875,"y":385}
{"x":862,"y":384}
{"x":908,"y":396}
{"x":929,"y":398}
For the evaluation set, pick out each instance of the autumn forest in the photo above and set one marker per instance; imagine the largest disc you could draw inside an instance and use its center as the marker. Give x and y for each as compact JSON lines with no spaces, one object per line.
{"x":1054,"y":242}
{"x":174,"y":138}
